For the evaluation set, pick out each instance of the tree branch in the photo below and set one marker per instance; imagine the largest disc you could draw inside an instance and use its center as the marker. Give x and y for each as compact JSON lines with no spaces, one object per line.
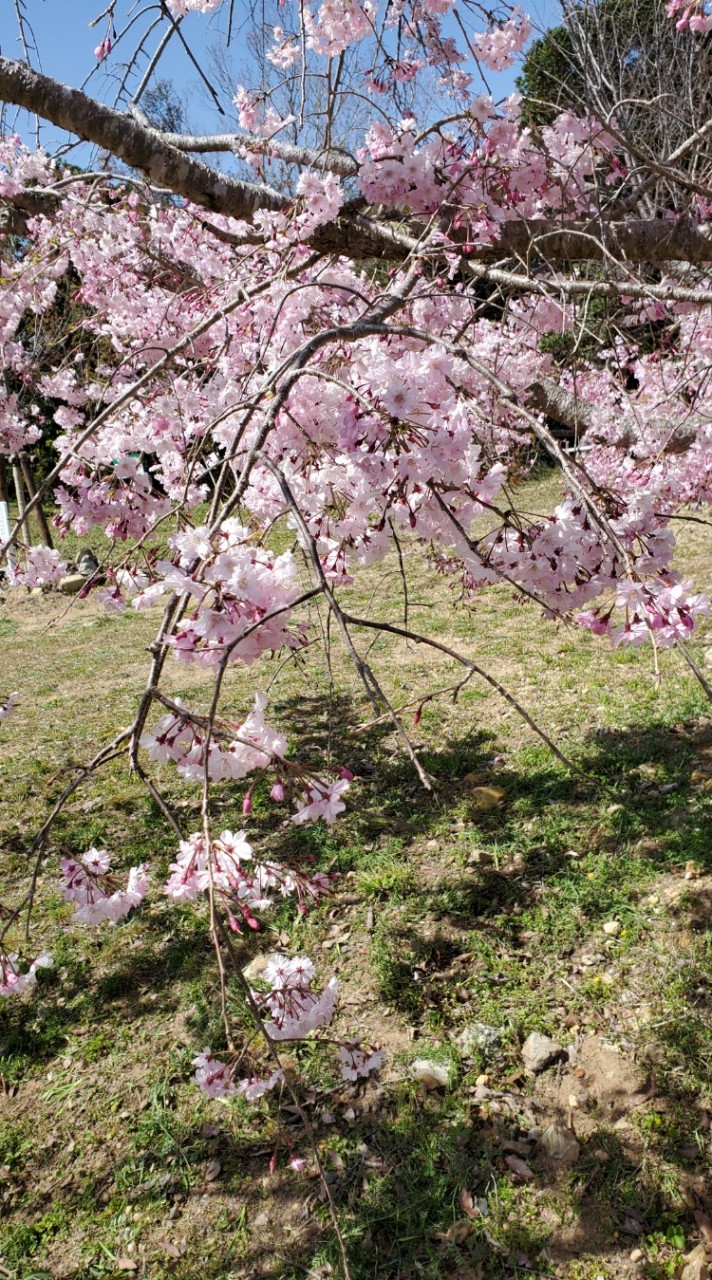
{"x":137,"y":146}
{"x":359,"y":236}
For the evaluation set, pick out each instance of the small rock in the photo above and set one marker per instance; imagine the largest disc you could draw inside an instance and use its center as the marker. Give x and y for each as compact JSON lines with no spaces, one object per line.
{"x":635,"y":1255}
{"x":87,"y":564}
{"x":612,"y":928}
{"x":560,"y":1144}
{"x":697,"y":1265}
{"x":478,"y":1037}
{"x":539,"y":1052}
{"x":72,"y":583}
{"x":431,"y":1073}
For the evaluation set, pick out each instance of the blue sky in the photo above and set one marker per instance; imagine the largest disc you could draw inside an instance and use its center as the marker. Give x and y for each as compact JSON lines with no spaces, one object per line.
{"x":66,"y":43}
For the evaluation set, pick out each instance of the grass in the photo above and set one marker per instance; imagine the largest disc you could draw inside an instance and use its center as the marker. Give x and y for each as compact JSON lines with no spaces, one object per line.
{"x":445,"y":914}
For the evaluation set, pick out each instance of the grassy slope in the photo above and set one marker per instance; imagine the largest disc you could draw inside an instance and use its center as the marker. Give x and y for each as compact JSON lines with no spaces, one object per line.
{"x":446,"y":914}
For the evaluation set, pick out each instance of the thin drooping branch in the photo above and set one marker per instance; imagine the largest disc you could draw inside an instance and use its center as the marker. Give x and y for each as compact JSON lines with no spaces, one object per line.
{"x":473,"y":667}
{"x":117,"y":747}
{"x":273,"y":1051}
{"x":370,"y":682}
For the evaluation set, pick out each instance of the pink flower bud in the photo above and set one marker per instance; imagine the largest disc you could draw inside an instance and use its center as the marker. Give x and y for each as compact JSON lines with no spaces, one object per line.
{"x":346,"y":774}
{"x":247,"y":803}
{"x":277,"y":793}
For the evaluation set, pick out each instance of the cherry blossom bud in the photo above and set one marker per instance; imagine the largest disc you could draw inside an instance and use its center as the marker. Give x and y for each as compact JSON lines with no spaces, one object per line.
{"x":346,"y":773}
{"x":277,"y":793}
{"x":247,"y":803}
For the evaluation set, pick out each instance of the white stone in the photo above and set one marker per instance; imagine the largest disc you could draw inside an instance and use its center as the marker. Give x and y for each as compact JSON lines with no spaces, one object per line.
{"x":540,"y":1051}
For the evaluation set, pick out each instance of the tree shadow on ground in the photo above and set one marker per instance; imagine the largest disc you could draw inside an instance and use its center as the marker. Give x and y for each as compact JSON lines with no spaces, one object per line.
{"x":636,"y":804}
{"x":407,"y":1164}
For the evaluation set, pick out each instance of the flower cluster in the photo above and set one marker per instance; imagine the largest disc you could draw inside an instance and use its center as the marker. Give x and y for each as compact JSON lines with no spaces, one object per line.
{"x":8,"y":706}
{"x":692,"y":17}
{"x":499,"y":47}
{"x":181,"y":738}
{"x":243,"y":884}
{"x":42,"y":568}
{"x":291,"y":1010}
{"x":95,"y":890}
{"x":182,"y":7}
{"x":294,"y":1008}
{"x":358,"y":1062}
{"x":13,"y":979}
{"x":256,"y":745}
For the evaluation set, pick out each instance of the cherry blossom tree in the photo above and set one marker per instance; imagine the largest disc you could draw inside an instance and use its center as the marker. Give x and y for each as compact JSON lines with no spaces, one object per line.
{"x":358,"y":354}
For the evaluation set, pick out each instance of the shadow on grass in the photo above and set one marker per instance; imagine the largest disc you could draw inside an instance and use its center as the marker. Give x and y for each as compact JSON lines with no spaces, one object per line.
{"x":405,"y":1169}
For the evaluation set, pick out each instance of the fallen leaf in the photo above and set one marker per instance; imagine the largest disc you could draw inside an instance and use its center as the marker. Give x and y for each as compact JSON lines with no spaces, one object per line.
{"x":126,"y":1264}
{"x":213,"y":1171}
{"x":468,"y":1205}
{"x":456,"y":1234}
{"x":518,"y":1167}
{"x":488,"y":797}
{"x":704,"y":1222}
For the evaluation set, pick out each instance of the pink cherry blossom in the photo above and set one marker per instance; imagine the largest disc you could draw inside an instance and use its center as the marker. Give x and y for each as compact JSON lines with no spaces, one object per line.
{"x":322,"y":802}
{"x":8,"y":706}
{"x":294,"y":1007}
{"x":13,"y":982}
{"x":95,"y":890}
{"x":213,"y":1077}
{"x":357,"y":1061}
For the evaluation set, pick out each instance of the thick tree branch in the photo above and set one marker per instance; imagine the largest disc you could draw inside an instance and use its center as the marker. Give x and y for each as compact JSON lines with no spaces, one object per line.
{"x":640,"y":240}
{"x":137,"y":146}
{"x":561,"y":405}
{"x":359,"y":236}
